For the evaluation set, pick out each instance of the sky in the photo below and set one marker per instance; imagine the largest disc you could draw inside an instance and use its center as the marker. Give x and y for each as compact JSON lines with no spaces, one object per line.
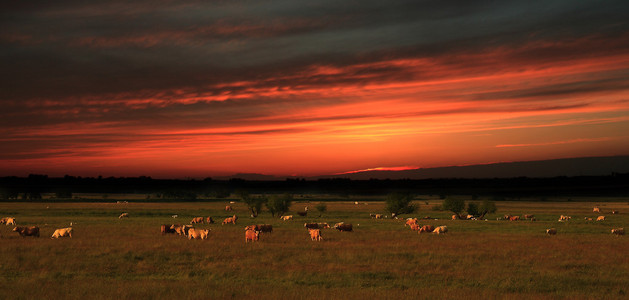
{"x":177,"y":89}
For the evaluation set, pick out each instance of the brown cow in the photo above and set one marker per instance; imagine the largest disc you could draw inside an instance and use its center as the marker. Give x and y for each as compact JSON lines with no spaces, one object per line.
{"x":194,"y":233}
{"x":251,"y":235}
{"x":231,"y":220}
{"x":614,"y":212}
{"x":455,"y":217}
{"x":265,"y":228}
{"x":529,"y":216}
{"x":343,"y":227}
{"x":315,"y":234}
{"x":618,"y":231}
{"x":181,"y":229}
{"x":311,"y":225}
{"x":600,"y":218}
{"x":588,"y":219}
{"x":564,"y":218}
{"x":411,"y":221}
{"x":10,"y":221}
{"x":596,"y":209}
{"x":323,"y":225}
{"x":62,"y":232}
{"x":167,"y":229}
{"x":228,"y":208}
{"x":514,"y":218}
{"x":415,"y":227}
{"x":27,"y":231}
{"x":426,"y":228}
{"x":209,"y":220}
{"x":197,"y":220}
{"x":123,"y":215}
{"x":551,"y":231}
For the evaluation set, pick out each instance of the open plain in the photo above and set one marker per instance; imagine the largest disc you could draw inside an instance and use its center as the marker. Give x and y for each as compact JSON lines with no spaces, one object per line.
{"x":128,"y":258}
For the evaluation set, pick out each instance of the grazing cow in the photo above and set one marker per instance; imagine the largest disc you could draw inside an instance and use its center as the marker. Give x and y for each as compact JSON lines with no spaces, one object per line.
{"x":618,"y":231}
{"x":10,"y":221}
{"x":506,"y":217}
{"x":311,"y":225}
{"x":62,"y":232}
{"x":251,"y":235}
{"x":600,"y":218}
{"x":181,"y":229}
{"x":440,"y":230}
{"x":588,"y":219}
{"x":123,"y":215}
{"x":323,"y":225}
{"x":209,"y":220}
{"x":529,"y":216}
{"x":411,"y":221}
{"x":229,"y":220}
{"x":454,"y":217}
{"x":415,"y":227}
{"x":167,"y":229}
{"x":315,"y":234}
{"x":343,"y":227}
{"x":426,"y":228}
{"x":27,"y":231}
{"x":514,"y":218}
{"x":265,"y":228}
{"x":551,"y":231}
{"x":286,"y":218}
{"x":614,"y":212}
{"x":596,"y":209}
{"x":194,"y":233}
{"x":197,"y":220}
{"x":228,"y":208}
{"x":564,"y":218}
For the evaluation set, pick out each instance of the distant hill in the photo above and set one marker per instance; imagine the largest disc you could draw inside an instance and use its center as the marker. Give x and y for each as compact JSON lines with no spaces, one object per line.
{"x":583,"y":166}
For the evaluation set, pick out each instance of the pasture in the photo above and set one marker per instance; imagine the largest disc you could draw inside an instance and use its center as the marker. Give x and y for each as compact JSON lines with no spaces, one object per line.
{"x":112,"y":258}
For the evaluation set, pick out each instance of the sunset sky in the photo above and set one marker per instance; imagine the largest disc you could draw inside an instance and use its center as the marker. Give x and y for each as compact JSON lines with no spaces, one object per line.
{"x":174,"y":89}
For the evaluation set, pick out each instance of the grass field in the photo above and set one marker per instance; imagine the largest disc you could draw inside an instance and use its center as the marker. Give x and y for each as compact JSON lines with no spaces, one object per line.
{"x":111,"y":258}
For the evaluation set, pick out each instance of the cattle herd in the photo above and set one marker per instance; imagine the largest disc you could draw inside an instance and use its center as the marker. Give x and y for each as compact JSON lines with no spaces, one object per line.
{"x":252,"y":232}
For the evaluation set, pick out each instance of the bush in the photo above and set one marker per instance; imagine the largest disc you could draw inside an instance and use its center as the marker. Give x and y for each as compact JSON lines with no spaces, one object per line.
{"x":454,"y":205}
{"x":472,"y":209}
{"x":321,"y":207}
{"x":400,"y":203}
{"x":253,"y":203}
{"x":279,"y":204}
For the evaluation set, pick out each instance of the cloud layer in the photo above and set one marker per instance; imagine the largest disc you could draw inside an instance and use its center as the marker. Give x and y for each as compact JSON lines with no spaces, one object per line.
{"x":178,"y":89}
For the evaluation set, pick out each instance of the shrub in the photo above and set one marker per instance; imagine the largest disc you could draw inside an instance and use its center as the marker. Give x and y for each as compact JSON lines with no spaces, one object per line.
{"x":400,"y":203}
{"x":472,"y":209}
{"x":454,"y":205}
{"x":279,"y":204}
{"x":321,"y":208}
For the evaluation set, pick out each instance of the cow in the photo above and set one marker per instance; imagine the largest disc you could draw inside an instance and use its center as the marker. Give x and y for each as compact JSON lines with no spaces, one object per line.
{"x":209,"y":220}
{"x":194,"y":233}
{"x":588,"y":219}
{"x":411,"y":221}
{"x":564,"y":218}
{"x":315,"y":234}
{"x":286,"y":218}
{"x":265,"y":228}
{"x":251,"y":235}
{"x":228,"y":208}
{"x":62,"y":232}
{"x":196,"y":220}
{"x":514,"y":218}
{"x":415,"y":227}
{"x":175,"y":216}
{"x":618,"y":231}
{"x":27,"y":231}
{"x":440,"y":230}
{"x":10,"y":221}
{"x":323,"y":225}
{"x":596,"y":209}
{"x":454,"y":217}
{"x":600,"y":218}
{"x":252,"y":227}
{"x":167,"y":229}
{"x":426,"y":228}
{"x":378,"y":216}
{"x":551,"y":231}
{"x":373,"y":216}
{"x":123,"y":215}
{"x":470,"y":217}
{"x":3,"y":221}
{"x":231,"y":220}
{"x":181,"y":229}
{"x":343,"y":227}
{"x":529,"y":216}
{"x":614,"y":212}
{"x":311,"y":225}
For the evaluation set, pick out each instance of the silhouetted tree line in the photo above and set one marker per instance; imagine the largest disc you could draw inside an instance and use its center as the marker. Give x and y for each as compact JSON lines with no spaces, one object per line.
{"x":32,"y":187}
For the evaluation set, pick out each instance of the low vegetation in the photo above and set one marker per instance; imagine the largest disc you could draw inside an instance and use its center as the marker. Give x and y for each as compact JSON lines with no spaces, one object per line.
{"x":112,"y":258}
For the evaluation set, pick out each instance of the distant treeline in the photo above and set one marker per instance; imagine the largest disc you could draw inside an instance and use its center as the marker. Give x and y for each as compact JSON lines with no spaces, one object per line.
{"x":32,"y":187}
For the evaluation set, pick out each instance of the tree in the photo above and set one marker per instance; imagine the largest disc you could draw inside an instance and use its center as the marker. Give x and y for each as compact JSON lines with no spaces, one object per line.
{"x":254,"y":203}
{"x":472,"y":209}
{"x":454,"y":205}
{"x":321,"y":207}
{"x":279,"y":204}
{"x":400,"y":203}
{"x":487,"y":207}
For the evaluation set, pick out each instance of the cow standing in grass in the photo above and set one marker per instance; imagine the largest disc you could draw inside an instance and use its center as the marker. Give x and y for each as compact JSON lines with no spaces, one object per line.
{"x":315,"y":234}
{"x":62,"y":233}
{"x":251,"y":235}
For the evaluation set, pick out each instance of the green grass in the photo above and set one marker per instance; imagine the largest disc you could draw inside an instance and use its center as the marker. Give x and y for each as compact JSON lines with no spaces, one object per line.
{"x":129,"y":259}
